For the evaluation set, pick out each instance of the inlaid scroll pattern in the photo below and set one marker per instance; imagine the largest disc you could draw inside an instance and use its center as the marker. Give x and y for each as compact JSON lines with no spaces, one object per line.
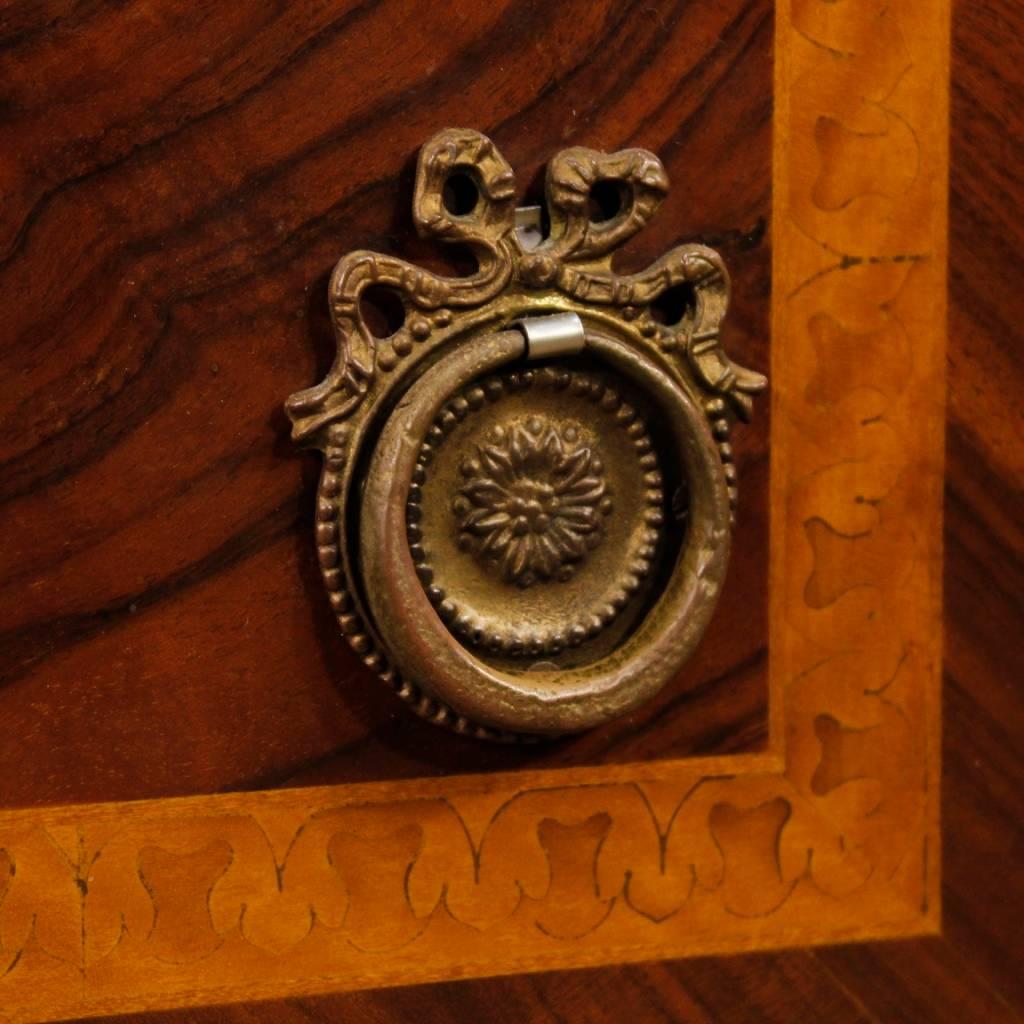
{"x":374,"y":878}
{"x":171,"y":901}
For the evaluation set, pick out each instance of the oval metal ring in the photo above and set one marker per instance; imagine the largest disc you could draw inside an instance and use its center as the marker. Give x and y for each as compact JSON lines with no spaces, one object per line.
{"x":570,"y":699}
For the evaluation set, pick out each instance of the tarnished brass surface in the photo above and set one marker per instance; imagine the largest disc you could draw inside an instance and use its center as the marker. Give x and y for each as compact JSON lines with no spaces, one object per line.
{"x":527,"y":537}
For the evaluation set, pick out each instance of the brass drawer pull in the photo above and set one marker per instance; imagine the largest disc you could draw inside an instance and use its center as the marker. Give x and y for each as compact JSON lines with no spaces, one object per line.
{"x":525,"y":509}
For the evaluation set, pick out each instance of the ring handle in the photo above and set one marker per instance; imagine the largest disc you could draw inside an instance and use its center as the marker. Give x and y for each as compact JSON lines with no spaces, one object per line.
{"x":526,"y":534}
{"x":551,"y":700}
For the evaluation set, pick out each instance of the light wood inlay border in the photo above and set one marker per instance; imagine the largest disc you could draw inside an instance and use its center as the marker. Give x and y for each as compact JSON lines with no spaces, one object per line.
{"x":832,"y":836}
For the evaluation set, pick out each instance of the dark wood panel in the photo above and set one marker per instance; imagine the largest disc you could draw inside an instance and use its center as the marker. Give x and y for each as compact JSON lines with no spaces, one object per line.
{"x":756,"y":990}
{"x":178,"y":181}
{"x":896,"y":982}
{"x":984,"y":575}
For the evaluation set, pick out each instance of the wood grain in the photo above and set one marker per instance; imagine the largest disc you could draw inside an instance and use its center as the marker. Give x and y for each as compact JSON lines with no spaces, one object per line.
{"x":178,"y":182}
{"x":214,"y":898}
{"x":972,"y":972}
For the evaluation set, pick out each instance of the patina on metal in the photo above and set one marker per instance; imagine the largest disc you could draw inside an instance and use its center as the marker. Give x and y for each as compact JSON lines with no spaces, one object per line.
{"x":524,"y":514}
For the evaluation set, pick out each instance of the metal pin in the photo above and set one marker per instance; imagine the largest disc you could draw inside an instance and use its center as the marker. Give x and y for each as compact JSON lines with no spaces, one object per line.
{"x":559,"y":335}
{"x":529,"y":226}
